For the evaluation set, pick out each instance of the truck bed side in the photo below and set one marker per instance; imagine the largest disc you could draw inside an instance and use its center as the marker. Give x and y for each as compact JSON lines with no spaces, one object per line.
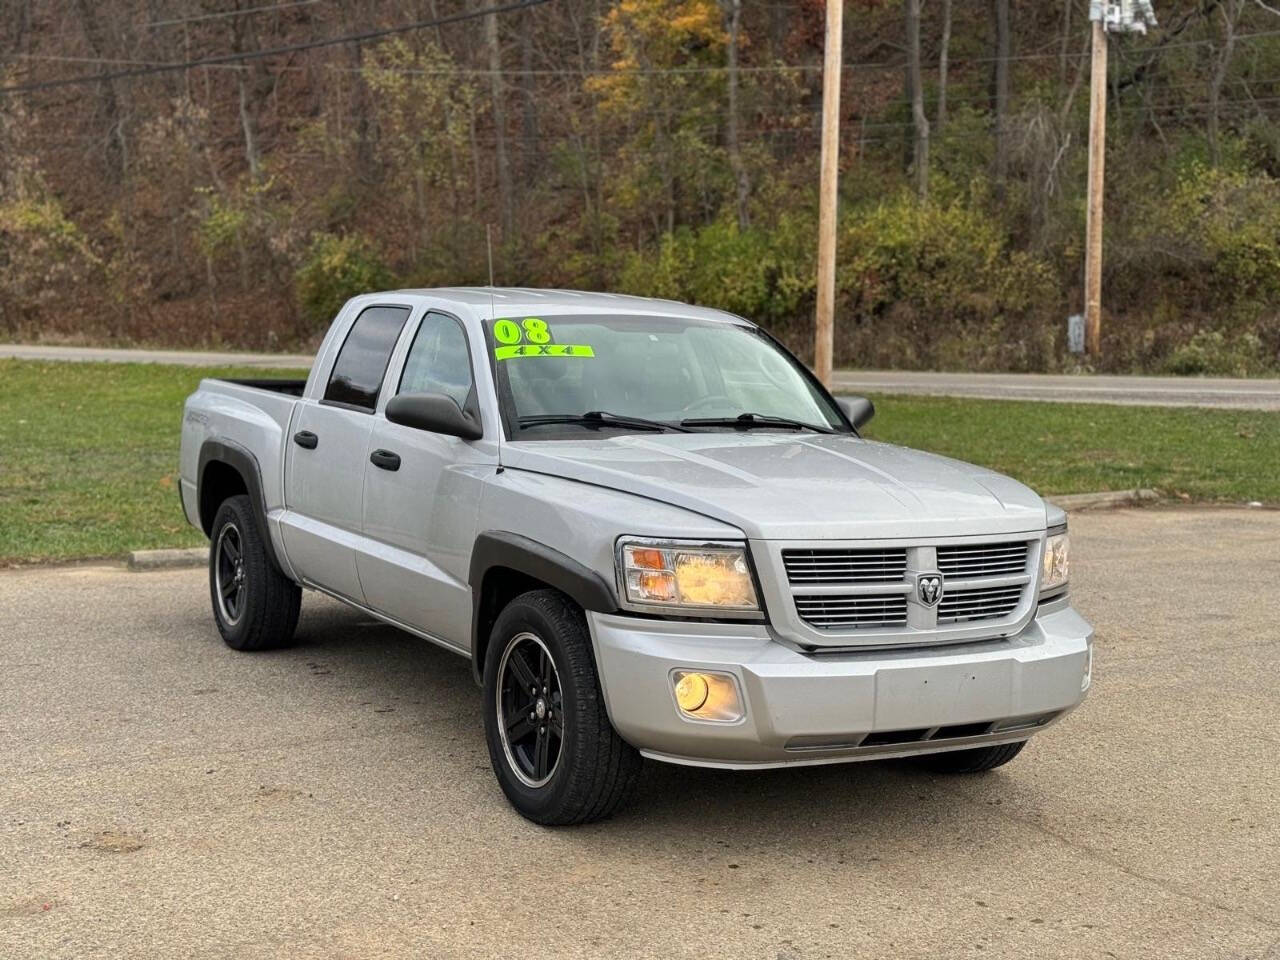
{"x":250,"y":415}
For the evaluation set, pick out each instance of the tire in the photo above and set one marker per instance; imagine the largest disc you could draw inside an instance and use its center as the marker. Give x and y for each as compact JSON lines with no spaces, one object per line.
{"x":977,"y":760}
{"x":258,"y":611}
{"x":585,"y":772}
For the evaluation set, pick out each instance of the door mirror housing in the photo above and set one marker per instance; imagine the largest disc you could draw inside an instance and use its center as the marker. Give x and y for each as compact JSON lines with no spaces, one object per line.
{"x":435,"y":413}
{"x":859,"y":410}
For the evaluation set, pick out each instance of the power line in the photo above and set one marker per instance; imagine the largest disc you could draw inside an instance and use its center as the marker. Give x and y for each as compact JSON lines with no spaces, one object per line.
{"x":272,"y":52}
{"x":772,"y":68}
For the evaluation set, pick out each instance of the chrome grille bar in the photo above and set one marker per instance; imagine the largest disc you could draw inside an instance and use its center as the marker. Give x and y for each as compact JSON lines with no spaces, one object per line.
{"x":970,"y":562}
{"x":845,"y":566}
{"x":884,"y":610}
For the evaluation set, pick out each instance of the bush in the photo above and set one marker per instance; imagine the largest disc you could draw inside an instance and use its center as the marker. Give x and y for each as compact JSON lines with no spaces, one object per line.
{"x":336,"y":269}
{"x":764,"y":274}
{"x":1210,"y":352}
{"x":936,"y":285}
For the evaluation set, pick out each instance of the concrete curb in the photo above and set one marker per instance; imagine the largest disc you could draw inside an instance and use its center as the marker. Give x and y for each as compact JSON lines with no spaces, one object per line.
{"x":1103,"y":499}
{"x":168,"y":559}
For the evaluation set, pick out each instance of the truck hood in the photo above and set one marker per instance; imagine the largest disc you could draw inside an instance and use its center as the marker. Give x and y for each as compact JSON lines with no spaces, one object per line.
{"x":776,"y":486}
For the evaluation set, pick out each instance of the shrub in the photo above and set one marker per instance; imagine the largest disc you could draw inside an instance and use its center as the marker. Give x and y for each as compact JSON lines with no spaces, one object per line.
{"x":764,"y":274}
{"x":337,"y":268}
{"x":1213,"y":353}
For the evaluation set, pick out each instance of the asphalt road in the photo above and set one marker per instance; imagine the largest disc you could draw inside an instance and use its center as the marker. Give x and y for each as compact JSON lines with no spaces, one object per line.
{"x":164,"y":796}
{"x":1233,"y":394}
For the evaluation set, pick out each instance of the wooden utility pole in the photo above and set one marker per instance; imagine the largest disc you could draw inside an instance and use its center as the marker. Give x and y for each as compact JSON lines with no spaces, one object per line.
{"x":1097,"y":159}
{"x":831,"y":66}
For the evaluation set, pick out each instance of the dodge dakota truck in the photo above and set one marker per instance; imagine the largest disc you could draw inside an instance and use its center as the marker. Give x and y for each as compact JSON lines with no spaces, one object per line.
{"x":651,"y":530}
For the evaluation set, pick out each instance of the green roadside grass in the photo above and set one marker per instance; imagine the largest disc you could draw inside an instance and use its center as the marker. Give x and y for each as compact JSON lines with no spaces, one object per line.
{"x":89,"y":457}
{"x":89,"y":451}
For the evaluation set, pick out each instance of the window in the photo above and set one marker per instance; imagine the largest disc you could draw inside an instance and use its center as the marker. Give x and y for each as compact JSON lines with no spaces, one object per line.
{"x":362,"y":361}
{"x":668,"y":369}
{"x":438,"y":361}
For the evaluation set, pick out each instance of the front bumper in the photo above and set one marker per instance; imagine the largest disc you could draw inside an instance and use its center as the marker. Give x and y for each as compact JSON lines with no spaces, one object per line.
{"x":832,"y":707}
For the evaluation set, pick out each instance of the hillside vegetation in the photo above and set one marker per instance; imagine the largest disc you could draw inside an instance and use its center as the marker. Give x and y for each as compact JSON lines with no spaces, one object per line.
{"x":664,"y":147}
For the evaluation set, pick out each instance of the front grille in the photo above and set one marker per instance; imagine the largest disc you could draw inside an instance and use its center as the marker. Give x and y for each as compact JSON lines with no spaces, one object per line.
{"x":849,"y":593}
{"x":836,"y":612}
{"x":845,"y":566}
{"x":981,"y":603}
{"x":971,"y":562}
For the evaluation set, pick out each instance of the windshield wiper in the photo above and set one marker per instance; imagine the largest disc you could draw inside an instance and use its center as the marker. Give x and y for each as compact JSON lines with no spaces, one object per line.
{"x":756,"y":421}
{"x":599,"y":418}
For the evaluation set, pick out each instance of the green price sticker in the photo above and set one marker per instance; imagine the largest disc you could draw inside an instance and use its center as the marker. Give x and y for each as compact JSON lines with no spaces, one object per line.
{"x":531,"y":337}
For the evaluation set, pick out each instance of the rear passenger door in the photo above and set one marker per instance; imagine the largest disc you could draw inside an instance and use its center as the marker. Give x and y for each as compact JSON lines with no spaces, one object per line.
{"x":422,"y":494}
{"x":324,"y":468}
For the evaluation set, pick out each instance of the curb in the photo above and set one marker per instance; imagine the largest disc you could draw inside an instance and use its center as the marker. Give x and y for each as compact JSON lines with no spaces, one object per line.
{"x":1103,"y":499}
{"x":168,"y":559}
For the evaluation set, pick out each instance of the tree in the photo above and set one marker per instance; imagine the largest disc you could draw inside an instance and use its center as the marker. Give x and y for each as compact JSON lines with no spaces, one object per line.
{"x":1000,"y":81}
{"x":944,"y":53}
{"x":733,"y":13}
{"x":919,"y":122}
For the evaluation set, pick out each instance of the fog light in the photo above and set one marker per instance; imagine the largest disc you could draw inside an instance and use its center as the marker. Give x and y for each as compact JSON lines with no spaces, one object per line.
{"x":707,"y":696}
{"x":691,"y":692}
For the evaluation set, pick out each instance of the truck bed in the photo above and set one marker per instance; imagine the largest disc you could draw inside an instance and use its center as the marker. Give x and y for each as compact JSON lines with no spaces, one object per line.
{"x":292,"y":388}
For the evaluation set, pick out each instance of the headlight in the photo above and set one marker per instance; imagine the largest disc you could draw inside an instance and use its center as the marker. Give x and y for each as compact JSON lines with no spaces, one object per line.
{"x":1056,"y":550}
{"x":712,"y":578}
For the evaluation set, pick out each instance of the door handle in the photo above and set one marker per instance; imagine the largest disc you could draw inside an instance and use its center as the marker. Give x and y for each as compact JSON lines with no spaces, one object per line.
{"x":385,"y":459}
{"x":307,"y":439}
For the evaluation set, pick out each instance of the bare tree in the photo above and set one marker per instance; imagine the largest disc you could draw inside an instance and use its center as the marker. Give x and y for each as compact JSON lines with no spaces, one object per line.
{"x":1004,"y":43}
{"x":499,"y":126}
{"x":733,"y":13}
{"x":919,"y":122}
{"x":1230,"y":11}
{"x":943,"y":55}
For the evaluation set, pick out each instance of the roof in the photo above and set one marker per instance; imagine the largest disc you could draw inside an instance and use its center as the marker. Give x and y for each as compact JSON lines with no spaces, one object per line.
{"x":518,"y":300}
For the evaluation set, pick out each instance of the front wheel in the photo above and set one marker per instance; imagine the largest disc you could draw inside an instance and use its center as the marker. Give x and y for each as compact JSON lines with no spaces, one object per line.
{"x":254,"y":605}
{"x":976,"y":760}
{"x":554,"y":751}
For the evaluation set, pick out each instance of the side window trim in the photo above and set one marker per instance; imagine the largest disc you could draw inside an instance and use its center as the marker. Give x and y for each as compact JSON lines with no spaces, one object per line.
{"x":337,"y":358}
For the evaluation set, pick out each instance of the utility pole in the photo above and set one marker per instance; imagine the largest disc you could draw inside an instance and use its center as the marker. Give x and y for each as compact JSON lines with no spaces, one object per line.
{"x":827,"y":192}
{"x":1093,"y":218}
{"x":1124,"y":16}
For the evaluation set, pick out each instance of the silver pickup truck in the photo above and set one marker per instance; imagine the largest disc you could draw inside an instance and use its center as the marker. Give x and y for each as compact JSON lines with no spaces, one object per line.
{"x":651,"y":530}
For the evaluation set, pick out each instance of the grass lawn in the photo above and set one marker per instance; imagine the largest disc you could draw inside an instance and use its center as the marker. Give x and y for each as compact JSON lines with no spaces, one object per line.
{"x":89,"y":457}
{"x":89,"y":452}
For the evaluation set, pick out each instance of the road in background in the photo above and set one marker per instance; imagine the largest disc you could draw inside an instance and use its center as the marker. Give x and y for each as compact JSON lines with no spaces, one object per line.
{"x":1220,"y":392}
{"x":164,"y":796}
{"x":1141,"y":391}
{"x":183,"y":358}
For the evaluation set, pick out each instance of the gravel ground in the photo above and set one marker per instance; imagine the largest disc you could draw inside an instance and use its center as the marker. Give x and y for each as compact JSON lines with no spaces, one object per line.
{"x":164,"y":796}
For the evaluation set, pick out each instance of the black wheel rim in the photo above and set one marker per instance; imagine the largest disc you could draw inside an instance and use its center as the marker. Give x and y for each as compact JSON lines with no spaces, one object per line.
{"x":530,"y":710}
{"x":228,"y":574}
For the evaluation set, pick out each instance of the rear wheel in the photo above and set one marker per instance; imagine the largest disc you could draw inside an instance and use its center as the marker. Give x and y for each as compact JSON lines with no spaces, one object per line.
{"x":554,"y":751}
{"x":254,"y":605}
{"x":977,"y":760}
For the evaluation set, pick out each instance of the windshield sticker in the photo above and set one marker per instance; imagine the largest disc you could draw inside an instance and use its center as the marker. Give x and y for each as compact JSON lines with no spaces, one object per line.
{"x":531,"y":337}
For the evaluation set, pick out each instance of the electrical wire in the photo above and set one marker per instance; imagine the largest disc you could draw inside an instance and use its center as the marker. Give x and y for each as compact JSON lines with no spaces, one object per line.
{"x":273,"y":51}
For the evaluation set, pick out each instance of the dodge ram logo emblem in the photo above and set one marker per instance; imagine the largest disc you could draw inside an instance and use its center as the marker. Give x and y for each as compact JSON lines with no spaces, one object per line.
{"x":929,"y":588}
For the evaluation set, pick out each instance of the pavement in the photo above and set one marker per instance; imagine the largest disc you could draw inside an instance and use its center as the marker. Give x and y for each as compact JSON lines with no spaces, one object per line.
{"x":1225,"y":393}
{"x":1232,"y":394}
{"x":164,"y":796}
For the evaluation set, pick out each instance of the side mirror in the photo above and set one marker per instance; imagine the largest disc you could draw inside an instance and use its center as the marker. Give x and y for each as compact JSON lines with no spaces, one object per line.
{"x":433,"y":412}
{"x":859,"y":410}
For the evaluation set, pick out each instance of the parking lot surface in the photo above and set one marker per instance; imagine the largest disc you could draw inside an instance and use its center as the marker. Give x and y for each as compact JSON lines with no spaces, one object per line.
{"x":164,"y":796}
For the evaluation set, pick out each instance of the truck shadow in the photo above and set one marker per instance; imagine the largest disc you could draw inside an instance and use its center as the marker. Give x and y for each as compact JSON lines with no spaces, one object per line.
{"x":816,"y":811}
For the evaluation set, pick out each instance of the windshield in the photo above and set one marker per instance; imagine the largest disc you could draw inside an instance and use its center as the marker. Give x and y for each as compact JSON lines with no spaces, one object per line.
{"x":669,"y":371}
